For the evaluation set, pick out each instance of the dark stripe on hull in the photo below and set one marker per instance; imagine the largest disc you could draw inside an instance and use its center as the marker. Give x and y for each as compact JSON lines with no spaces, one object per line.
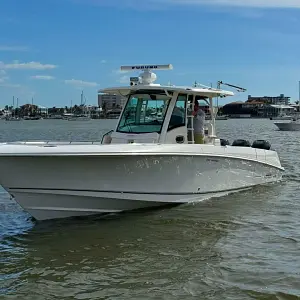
{"x":17,"y":189}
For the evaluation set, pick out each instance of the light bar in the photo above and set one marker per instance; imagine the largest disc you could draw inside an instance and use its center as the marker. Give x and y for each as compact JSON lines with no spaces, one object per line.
{"x":147,"y":67}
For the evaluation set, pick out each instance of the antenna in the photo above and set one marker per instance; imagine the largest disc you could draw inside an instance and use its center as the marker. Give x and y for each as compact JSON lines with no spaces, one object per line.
{"x":146,"y":77}
{"x":238,"y":88}
{"x":299,"y":93}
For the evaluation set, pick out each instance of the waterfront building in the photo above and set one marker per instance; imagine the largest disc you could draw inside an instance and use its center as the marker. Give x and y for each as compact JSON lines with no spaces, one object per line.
{"x":277,"y":100}
{"x":259,"y":107}
{"x":110,"y":101}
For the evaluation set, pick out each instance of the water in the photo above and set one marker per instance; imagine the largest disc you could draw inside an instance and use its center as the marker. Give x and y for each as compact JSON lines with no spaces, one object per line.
{"x":242,"y":246}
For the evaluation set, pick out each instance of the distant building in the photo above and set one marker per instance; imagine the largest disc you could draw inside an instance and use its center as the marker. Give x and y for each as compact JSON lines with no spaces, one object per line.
{"x":241,"y":109}
{"x":255,"y":108}
{"x":34,"y":109}
{"x":111,"y":101}
{"x":261,"y":107}
{"x":279,"y":100}
{"x":42,"y":109}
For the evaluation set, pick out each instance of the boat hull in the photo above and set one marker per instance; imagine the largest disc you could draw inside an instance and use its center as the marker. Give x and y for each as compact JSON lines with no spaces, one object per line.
{"x":282,"y":118}
{"x":290,"y":126}
{"x":79,"y":119}
{"x":65,"y":186}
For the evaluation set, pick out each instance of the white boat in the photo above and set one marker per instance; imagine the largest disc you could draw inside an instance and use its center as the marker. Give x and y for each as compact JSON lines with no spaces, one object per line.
{"x":79,"y":118}
{"x":143,"y":162}
{"x":12,"y":118}
{"x":221,"y":118}
{"x":292,"y":125}
{"x":282,"y":117}
{"x":32,"y":118}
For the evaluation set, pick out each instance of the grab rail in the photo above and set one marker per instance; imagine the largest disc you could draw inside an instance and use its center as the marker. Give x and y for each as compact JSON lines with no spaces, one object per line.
{"x":43,"y":142}
{"x":53,"y":143}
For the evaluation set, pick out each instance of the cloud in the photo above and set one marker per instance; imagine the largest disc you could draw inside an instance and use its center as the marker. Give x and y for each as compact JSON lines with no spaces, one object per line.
{"x":238,"y":3}
{"x":3,"y":76}
{"x":118,"y":71}
{"x":10,"y":85}
{"x":124,"y":79}
{"x":3,"y":79}
{"x":20,"y":91}
{"x":81,"y":83}
{"x":134,"y":4}
{"x":103,"y":61}
{"x":248,"y":3}
{"x":42,"y":77}
{"x":16,"y":65}
{"x":13,"y":48}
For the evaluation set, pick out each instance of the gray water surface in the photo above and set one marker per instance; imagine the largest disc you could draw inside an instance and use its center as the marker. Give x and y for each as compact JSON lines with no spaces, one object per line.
{"x":242,"y":246}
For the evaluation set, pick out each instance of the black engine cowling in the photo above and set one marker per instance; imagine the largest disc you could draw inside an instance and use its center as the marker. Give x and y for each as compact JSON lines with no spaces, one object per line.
{"x":241,"y":143}
{"x":224,"y":142}
{"x":261,"y":144}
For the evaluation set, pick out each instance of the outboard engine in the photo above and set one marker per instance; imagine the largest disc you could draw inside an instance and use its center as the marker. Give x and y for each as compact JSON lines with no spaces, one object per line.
{"x":241,"y":143}
{"x":224,"y":142}
{"x":261,"y":144}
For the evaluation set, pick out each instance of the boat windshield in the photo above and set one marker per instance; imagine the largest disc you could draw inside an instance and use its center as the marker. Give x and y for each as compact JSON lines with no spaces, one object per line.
{"x":144,"y":113}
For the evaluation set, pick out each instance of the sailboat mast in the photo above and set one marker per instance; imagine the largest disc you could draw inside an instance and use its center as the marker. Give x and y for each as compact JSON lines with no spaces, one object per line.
{"x":13,"y":113}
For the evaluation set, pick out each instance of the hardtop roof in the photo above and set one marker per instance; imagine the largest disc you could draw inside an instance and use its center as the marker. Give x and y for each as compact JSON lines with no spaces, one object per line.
{"x":206,"y":92}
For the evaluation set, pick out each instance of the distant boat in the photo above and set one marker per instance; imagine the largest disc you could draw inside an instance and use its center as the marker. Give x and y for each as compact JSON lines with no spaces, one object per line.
{"x":54,"y":117}
{"x":32,"y":118}
{"x":113,"y":116}
{"x":208,"y":117}
{"x":221,"y":118}
{"x":79,"y":118}
{"x":293,"y":125}
{"x":282,"y":117}
{"x":12,"y":118}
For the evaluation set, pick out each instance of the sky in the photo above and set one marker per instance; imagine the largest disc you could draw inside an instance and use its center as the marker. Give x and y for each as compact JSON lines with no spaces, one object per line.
{"x":51,"y":50}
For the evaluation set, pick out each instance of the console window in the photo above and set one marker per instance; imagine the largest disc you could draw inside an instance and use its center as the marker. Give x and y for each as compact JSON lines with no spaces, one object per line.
{"x":144,"y":113}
